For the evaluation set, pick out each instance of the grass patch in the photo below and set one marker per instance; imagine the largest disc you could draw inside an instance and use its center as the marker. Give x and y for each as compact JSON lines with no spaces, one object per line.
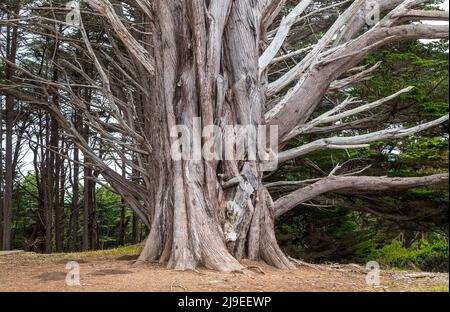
{"x":131,"y":250}
{"x":432,"y":288}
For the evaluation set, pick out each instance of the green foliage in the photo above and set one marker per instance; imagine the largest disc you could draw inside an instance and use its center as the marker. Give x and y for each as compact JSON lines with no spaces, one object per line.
{"x":425,"y":255}
{"x":426,"y":193}
{"x":108,"y":207}
{"x":25,"y":210}
{"x":425,"y":148}
{"x":424,"y":66}
{"x":129,"y":250}
{"x":108,"y":210}
{"x":434,"y":109}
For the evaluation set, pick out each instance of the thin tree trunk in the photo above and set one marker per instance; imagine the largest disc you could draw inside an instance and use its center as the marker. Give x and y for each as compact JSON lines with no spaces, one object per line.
{"x":74,"y":216}
{"x":48,"y":183}
{"x":38,"y":236}
{"x":93,"y":225}
{"x":55,"y":170}
{"x":86,"y":204}
{"x":11,"y":46}
{"x":122,"y":225}
{"x":87,"y":188}
{"x":135,"y":226}
{"x":135,"y":229}
{"x":59,"y":208}
{"x":1,"y":174}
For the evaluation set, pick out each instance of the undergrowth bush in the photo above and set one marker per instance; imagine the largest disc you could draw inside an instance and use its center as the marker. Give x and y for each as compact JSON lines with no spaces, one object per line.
{"x":425,"y":255}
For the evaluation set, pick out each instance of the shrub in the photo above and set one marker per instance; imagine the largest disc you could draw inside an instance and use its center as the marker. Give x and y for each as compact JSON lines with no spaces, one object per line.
{"x":425,"y":255}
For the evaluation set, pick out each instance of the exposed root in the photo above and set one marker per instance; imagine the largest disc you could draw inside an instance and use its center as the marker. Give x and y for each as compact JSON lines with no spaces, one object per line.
{"x":241,"y":271}
{"x":197,"y":241}
{"x":302,"y":263}
{"x":138,"y":262}
{"x":177,"y":285}
{"x":256,"y":268}
{"x":198,"y":272}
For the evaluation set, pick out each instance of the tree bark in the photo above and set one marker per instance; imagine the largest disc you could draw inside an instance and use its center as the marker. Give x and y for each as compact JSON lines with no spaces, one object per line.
{"x":88,"y":189}
{"x":121,"y":240}
{"x":135,"y":228}
{"x":59,"y":209}
{"x":1,"y":177}
{"x":88,"y":204}
{"x":197,"y":221}
{"x":354,"y":184}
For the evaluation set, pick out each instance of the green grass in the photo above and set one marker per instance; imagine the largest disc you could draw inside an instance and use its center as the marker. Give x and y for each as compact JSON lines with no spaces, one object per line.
{"x":433,"y":288}
{"x":38,"y":258}
{"x":131,"y":250}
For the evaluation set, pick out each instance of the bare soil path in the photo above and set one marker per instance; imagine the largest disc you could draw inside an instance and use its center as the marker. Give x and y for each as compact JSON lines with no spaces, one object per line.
{"x":112,"y":271}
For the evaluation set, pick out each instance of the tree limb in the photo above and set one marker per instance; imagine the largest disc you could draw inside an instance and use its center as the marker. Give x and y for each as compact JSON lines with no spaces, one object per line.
{"x":361,"y":183}
{"x":359,"y":141}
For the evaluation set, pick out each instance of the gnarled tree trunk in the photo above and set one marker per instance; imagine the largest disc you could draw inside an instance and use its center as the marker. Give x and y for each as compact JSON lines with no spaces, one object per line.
{"x":196,"y":220}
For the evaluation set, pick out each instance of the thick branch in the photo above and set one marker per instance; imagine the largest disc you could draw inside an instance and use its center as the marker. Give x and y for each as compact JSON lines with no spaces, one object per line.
{"x":331,"y":116}
{"x":359,"y":141}
{"x":289,"y":112}
{"x":362,"y":184}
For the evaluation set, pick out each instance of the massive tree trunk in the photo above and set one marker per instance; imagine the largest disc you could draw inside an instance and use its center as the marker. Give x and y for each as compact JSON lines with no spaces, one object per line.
{"x":196,"y":220}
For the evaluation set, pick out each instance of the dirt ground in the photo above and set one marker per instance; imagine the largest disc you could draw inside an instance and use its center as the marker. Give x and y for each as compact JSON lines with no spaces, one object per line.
{"x":33,"y":272}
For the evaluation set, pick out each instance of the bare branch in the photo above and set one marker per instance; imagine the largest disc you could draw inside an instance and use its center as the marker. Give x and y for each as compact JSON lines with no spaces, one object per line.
{"x":353,"y":79}
{"x":359,"y":183}
{"x":359,"y":141}
{"x":281,"y":35}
